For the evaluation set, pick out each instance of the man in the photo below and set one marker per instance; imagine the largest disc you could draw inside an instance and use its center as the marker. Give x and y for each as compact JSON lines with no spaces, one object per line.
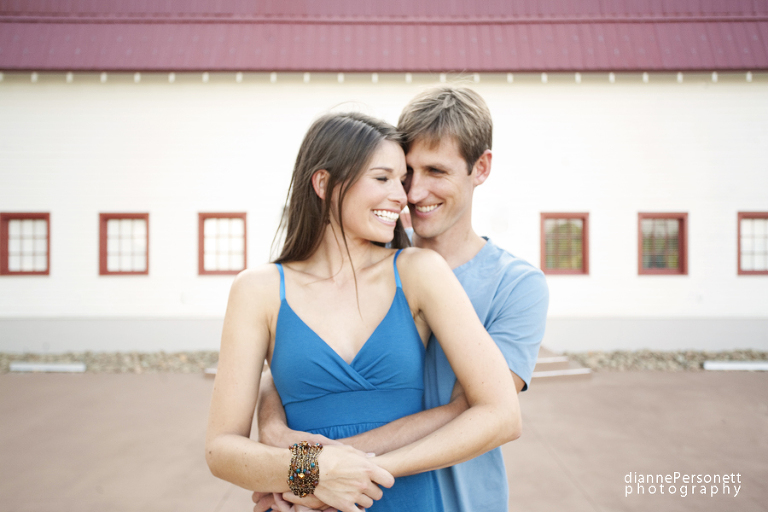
{"x":448,"y":136}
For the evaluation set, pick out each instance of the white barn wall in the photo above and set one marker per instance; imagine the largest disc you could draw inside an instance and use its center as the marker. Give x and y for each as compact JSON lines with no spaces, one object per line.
{"x":176,"y":149}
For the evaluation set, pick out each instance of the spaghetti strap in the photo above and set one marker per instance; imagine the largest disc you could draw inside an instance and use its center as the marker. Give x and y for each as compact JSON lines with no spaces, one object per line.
{"x":397,"y":275}
{"x":282,"y":281}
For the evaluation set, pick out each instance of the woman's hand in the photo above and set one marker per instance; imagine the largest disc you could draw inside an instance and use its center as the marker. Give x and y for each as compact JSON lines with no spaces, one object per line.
{"x":349,"y":478}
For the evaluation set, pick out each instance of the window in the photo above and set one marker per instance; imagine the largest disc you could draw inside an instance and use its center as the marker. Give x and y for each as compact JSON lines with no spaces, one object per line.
{"x":753,"y":243}
{"x":565,"y":243}
{"x":123,"y":244}
{"x":662,"y":243}
{"x":221,"y":243}
{"x":25,"y":241}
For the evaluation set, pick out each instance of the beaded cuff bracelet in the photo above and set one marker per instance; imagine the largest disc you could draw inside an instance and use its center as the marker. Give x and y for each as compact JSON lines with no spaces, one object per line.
{"x":304,"y":473}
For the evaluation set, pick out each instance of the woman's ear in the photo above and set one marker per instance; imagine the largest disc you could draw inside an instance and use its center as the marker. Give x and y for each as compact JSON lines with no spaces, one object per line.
{"x":320,"y":183}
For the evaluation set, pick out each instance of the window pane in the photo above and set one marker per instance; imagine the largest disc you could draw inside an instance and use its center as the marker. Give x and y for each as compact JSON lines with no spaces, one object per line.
{"x":139,"y":263}
{"x":14,"y":245}
{"x":126,"y":228}
{"x":113,"y":227}
{"x":760,"y":245}
{"x":747,"y":262}
{"x":14,"y":263}
{"x":209,"y":262}
{"x":237,"y":227}
{"x":209,"y":244}
{"x":125,"y":263}
{"x":140,"y":244}
{"x":41,"y":228}
{"x":140,"y":228}
{"x":646,"y":226}
{"x":761,"y":262}
{"x":223,"y":227}
{"x":27,"y":228}
{"x":222,"y":245}
{"x":27,"y":263}
{"x":210,"y":227}
{"x":113,"y":245}
{"x":222,"y":262}
{"x":40,"y":263}
{"x":14,"y":228}
{"x":672,"y":226}
{"x":126,"y":245}
{"x":760,"y":227}
{"x":41,"y":246}
{"x":27,"y":245}
{"x":746,"y":227}
{"x":113,"y":263}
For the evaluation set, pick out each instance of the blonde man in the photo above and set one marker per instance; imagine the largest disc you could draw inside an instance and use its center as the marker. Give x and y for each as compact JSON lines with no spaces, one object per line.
{"x":448,"y":135}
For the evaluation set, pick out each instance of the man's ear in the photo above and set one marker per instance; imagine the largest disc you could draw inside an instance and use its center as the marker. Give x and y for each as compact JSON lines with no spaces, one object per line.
{"x":320,"y":182}
{"x":482,"y":168}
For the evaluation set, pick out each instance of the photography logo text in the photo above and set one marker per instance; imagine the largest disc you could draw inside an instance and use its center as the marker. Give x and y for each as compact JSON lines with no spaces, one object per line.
{"x":682,"y":484}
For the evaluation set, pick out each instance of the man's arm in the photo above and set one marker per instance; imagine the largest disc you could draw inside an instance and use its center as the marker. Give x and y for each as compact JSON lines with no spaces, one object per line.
{"x":271,"y":420}
{"x":274,"y":430}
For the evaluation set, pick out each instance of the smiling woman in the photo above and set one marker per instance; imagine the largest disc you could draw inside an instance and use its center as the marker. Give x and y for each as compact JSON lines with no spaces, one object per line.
{"x":343,"y":322}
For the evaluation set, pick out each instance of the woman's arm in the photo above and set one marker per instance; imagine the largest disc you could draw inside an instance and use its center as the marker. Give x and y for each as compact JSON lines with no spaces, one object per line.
{"x":346,"y":475}
{"x":493,"y":417}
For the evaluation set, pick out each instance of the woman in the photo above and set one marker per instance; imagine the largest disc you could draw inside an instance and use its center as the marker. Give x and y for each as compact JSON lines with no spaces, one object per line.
{"x":359,"y":365}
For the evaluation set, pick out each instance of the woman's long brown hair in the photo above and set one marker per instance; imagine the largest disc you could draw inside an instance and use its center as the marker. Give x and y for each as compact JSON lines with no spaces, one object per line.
{"x":341,"y":144}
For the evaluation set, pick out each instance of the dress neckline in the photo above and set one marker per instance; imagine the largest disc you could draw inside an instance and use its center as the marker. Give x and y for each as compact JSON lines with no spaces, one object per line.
{"x":327,"y":345}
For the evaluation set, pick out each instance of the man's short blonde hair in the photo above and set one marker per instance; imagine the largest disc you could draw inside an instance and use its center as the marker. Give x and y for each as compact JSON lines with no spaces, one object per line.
{"x":447,"y":111}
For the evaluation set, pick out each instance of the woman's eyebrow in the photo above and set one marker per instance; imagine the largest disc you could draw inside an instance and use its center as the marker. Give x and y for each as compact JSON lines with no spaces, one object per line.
{"x":379,"y":168}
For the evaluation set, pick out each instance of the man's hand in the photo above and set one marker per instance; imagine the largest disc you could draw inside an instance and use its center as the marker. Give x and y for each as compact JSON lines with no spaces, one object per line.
{"x":263,"y":501}
{"x":266,"y":501}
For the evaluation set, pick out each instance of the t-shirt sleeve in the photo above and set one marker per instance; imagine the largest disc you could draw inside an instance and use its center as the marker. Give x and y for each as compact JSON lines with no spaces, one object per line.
{"x":518,"y":319}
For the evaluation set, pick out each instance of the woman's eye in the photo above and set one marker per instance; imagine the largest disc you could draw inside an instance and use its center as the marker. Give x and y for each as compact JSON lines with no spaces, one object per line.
{"x":382,"y":179}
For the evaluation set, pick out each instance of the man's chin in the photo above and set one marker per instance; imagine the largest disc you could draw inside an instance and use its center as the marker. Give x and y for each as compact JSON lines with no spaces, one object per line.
{"x":422,"y":230}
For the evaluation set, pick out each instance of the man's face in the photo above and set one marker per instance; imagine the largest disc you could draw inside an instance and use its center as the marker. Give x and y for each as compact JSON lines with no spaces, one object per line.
{"x":439,"y":188}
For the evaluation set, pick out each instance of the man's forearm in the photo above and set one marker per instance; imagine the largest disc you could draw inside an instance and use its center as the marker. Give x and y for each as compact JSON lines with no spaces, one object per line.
{"x":408,"y":429}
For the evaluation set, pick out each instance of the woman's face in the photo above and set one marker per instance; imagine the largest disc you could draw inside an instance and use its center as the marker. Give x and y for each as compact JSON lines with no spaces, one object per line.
{"x":373,"y":203}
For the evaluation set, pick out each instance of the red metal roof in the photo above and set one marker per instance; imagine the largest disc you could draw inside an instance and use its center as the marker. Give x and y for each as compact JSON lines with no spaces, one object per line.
{"x":370,"y":35}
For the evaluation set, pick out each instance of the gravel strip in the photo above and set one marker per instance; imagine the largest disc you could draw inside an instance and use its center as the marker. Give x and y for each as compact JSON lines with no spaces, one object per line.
{"x":122,"y":362}
{"x":196,"y":362}
{"x":646,"y":360}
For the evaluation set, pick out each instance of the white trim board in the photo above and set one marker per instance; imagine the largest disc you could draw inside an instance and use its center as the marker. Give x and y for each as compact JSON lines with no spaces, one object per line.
{"x":750,"y":366}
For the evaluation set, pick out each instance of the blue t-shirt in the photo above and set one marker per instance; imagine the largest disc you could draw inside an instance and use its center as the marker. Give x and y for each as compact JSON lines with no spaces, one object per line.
{"x":511,"y":297}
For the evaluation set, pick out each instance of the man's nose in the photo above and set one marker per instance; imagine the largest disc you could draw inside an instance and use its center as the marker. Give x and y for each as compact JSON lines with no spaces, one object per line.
{"x":416,"y":188}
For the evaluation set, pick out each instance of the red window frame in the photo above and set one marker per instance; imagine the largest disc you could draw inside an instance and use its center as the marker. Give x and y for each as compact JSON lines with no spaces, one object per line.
{"x":103,"y":218}
{"x":4,"y":236}
{"x":747,"y":215}
{"x":201,"y":218}
{"x":584,"y":216}
{"x":682,"y":236}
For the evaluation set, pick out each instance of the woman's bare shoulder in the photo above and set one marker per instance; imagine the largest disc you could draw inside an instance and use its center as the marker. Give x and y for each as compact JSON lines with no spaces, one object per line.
{"x":422,"y":266}
{"x":415,"y":258}
{"x":257,"y":284}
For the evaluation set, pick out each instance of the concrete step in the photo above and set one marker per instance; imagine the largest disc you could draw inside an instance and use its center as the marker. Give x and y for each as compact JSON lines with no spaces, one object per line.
{"x":553,"y":367}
